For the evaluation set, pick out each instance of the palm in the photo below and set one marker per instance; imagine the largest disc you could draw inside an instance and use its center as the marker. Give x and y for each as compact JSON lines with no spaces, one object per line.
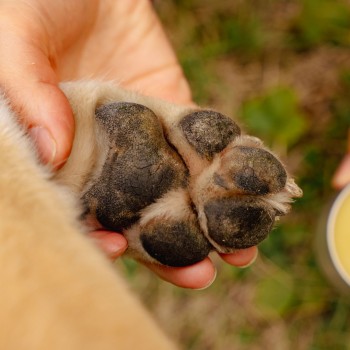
{"x":135,"y":52}
{"x":43,"y":42}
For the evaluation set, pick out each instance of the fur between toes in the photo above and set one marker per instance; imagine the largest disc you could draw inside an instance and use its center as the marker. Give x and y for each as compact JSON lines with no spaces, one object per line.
{"x":177,"y":182}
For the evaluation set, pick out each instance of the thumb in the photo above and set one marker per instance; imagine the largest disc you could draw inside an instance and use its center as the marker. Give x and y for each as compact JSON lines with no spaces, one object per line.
{"x":46,"y":113}
{"x":31,"y":85}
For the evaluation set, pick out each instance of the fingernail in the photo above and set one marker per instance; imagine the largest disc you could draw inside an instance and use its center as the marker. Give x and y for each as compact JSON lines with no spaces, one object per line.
{"x":209,"y":284}
{"x":45,"y":143}
{"x":117,"y":250}
{"x":251,"y":262}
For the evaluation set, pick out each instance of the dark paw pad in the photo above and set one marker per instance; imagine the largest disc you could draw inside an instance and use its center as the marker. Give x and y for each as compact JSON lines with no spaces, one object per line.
{"x":178,"y":189}
{"x":175,"y":243}
{"x":140,"y":166}
{"x":255,"y":171}
{"x":238,"y":223}
{"x":209,"y":132}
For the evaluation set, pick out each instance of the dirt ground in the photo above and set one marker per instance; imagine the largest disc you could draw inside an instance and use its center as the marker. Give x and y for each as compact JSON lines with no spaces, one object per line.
{"x":282,"y":70}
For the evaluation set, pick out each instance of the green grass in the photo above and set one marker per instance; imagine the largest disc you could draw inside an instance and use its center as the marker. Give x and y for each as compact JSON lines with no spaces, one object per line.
{"x":282,"y":69}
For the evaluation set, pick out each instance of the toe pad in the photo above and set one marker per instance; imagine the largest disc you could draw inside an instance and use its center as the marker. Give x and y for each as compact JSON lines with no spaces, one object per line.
{"x":237,"y":224}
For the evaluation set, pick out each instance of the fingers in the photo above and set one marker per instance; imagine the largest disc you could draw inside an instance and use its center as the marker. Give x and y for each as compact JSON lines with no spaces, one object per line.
{"x":45,"y":112}
{"x":49,"y":120}
{"x":112,"y":244}
{"x":203,"y":274}
{"x":242,"y":257}
{"x":197,"y":276}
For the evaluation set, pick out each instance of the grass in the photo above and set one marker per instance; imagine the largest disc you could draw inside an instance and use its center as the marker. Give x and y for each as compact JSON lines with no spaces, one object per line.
{"x":281,"y":68}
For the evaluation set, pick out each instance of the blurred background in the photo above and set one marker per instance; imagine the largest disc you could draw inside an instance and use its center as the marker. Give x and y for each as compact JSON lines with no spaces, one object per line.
{"x":281,"y":69}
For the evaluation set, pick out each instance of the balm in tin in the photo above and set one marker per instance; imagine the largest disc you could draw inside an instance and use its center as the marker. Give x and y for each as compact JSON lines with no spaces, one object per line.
{"x":333,"y":246}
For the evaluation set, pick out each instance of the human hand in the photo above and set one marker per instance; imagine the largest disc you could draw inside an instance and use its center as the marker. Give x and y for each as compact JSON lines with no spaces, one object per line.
{"x":342,"y":175}
{"x":43,"y":42}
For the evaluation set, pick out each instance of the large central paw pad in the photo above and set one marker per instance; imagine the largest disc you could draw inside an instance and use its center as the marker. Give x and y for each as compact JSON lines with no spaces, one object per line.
{"x":180,"y":189}
{"x":139,"y":167}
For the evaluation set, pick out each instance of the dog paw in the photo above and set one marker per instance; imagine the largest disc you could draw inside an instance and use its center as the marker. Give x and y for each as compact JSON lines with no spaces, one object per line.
{"x":180,"y":183}
{"x":139,"y":166}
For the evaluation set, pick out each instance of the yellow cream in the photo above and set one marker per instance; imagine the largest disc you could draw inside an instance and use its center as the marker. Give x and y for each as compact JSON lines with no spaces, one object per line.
{"x":339,"y":234}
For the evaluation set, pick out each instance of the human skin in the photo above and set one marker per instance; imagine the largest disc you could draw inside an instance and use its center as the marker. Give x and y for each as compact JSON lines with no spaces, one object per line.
{"x":44,"y":42}
{"x":342,"y":175}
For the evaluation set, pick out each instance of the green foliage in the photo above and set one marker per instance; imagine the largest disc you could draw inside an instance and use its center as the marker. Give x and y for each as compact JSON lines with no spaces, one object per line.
{"x":275,"y":117}
{"x":130,"y":266}
{"x":274,"y":294}
{"x":342,"y":106}
{"x":286,"y":239}
{"x":345,"y":78}
{"x":285,"y":291}
{"x":243,"y":35}
{"x":322,"y":21}
{"x":194,"y":68}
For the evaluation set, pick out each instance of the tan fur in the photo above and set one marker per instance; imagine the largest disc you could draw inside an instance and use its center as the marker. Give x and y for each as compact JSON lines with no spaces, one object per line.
{"x":174,"y":205}
{"x":84,"y":97}
{"x":57,"y":290}
{"x":85,"y":162}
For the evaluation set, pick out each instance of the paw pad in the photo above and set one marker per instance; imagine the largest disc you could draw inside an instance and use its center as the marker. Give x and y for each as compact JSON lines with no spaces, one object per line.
{"x":175,"y":243}
{"x":238,"y":224}
{"x":139,"y":165}
{"x":170,"y":213}
{"x":219,"y":131}
{"x":256,"y":171}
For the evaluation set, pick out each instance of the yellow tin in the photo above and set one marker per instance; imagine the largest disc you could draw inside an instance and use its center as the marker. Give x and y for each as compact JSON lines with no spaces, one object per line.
{"x":333,"y":246}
